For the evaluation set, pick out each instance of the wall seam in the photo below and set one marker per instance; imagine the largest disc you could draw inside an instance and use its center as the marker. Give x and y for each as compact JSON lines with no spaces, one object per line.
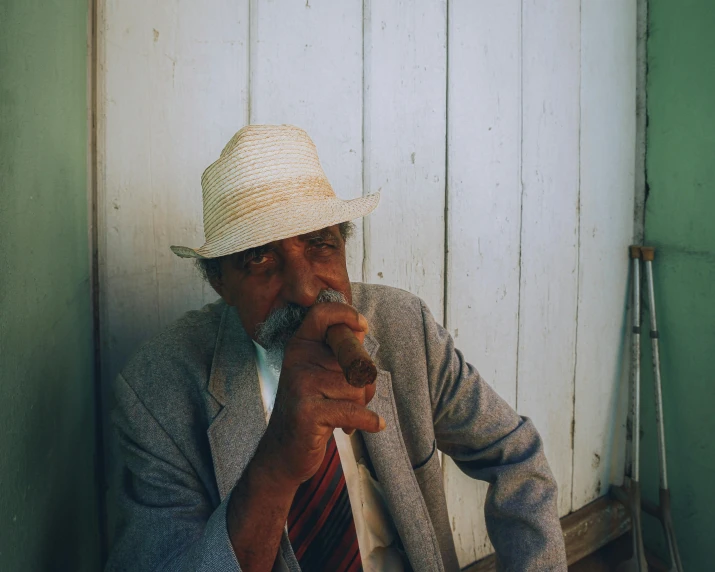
{"x":578,"y":254}
{"x":445,"y":264}
{"x":249,"y":63}
{"x":520,"y":177}
{"x":100,"y":476}
{"x":641,"y":189}
{"x":364,"y":164}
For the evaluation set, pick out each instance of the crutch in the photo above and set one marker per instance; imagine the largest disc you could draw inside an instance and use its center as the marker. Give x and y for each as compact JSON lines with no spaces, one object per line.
{"x":662,"y":510}
{"x":637,"y":562}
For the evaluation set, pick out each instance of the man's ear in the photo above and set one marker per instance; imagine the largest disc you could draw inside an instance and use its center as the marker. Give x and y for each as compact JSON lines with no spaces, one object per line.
{"x":216,"y":279}
{"x":217,"y":285}
{"x":218,"y":282}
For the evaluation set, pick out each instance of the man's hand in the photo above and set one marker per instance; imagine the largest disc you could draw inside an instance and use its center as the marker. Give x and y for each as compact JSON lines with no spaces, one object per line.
{"x":314,"y":398}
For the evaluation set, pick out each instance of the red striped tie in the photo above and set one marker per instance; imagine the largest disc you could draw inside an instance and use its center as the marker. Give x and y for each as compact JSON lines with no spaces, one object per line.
{"x":320,"y":522}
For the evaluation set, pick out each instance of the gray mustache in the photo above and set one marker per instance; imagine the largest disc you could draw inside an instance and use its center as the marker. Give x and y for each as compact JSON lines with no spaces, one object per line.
{"x":281,"y":324}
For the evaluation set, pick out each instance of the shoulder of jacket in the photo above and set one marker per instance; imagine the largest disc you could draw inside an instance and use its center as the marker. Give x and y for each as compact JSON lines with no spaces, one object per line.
{"x":371,"y":298}
{"x":395,"y":316}
{"x":183,"y":351}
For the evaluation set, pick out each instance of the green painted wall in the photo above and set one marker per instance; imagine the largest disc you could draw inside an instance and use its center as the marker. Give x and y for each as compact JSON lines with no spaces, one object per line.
{"x":680,"y":222}
{"x":48,"y":511}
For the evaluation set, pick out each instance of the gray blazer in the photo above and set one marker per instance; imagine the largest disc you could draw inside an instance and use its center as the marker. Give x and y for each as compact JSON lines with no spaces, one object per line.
{"x":189,"y":416}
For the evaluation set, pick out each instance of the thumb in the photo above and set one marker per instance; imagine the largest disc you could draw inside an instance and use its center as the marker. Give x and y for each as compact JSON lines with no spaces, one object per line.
{"x":321,"y":316}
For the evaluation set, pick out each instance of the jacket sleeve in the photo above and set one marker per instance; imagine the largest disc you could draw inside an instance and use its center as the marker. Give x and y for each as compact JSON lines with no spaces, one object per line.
{"x":167,"y":519}
{"x":489,"y":441}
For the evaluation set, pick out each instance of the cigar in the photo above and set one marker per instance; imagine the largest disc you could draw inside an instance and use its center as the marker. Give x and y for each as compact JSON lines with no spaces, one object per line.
{"x":352,"y":357}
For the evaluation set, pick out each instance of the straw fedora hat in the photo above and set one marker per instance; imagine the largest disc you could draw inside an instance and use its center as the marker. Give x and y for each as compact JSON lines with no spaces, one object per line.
{"x":268,"y":185}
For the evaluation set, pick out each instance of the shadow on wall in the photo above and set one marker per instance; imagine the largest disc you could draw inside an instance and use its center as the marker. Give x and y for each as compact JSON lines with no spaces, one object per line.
{"x":47,"y":466}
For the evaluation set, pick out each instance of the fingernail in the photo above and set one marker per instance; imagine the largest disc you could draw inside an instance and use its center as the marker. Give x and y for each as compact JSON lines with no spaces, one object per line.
{"x":382,"y":424}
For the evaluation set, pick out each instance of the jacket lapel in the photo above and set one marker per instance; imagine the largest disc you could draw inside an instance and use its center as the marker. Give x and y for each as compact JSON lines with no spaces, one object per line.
{"x":394,"y":471}
{"x":235,"y":432}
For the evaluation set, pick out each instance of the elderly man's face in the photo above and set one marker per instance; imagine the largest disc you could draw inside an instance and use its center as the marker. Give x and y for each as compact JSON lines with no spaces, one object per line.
{"x":290,"y":272}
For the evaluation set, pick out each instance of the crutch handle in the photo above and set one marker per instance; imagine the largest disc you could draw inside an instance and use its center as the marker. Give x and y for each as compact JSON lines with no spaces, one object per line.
{"x":648,"y":253}
{"x":635,"y":251}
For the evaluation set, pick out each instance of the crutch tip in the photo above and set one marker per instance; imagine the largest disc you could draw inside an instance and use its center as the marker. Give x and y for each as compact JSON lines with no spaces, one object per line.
{"x":635,"y":251}
{"x":648,"y":253}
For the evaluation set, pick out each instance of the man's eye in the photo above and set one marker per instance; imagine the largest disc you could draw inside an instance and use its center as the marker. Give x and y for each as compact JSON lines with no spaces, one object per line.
{"x":260,"y":259}
{"x":323,"y":245}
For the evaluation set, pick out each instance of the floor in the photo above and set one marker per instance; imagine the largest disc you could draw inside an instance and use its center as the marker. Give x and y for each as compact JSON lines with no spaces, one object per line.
{"x":605,"y":559}
{"x":611,"y":555}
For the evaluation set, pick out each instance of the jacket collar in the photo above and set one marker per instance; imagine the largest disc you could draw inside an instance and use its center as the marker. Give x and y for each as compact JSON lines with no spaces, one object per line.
{"x":235,"y":432}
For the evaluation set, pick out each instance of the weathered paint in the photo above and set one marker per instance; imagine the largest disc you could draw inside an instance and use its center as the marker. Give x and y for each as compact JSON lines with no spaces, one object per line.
{"x":405,"y":71}
{"x":48,"y":509}
{"x":551,"y":69}
{"x":477,"y":124}
{"x":607,"y":163}
{"x":484,"y":220}
{"x":679,"y":212}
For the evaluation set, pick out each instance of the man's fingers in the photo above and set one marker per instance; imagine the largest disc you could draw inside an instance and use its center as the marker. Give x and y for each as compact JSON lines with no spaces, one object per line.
{"x":348,"y":415}
{"x":321,"y":316}
{"x":315,"y":353}
{"x":332,"y":385}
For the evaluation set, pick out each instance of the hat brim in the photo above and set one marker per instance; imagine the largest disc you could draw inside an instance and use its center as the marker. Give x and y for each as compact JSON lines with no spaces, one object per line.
{"x":283,"y":220}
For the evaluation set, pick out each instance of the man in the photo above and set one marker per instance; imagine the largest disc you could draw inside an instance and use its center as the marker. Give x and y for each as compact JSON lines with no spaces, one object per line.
{"x":245,"y":447}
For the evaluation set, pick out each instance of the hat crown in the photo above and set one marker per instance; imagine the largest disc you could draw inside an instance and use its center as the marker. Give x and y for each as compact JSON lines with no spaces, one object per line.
{"x":261,"y":166}
{"x":268,"y":185}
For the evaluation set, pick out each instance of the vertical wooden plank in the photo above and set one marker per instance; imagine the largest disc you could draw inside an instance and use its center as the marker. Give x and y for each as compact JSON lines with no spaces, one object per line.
{"x":175,"y":77}
{"x":172,"y":91}
{"x":550,"y":228}
{"x":484,"y":205}
{"x":404,"y":143}
{"x":306,"y":70}
{"x":608,"y":96}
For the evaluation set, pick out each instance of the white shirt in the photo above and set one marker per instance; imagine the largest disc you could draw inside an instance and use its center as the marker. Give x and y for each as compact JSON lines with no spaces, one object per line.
{"x":375,"y":529}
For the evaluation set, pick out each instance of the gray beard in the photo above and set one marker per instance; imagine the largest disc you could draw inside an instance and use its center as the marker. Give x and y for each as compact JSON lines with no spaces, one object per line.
{"x":282,"y":324}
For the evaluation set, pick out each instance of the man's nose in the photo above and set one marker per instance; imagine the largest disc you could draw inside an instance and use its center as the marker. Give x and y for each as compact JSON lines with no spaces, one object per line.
{"x":300,"y":284}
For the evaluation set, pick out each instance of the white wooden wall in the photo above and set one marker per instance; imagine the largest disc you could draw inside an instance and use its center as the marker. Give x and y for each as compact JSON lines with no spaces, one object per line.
{"x":501,"y":135}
